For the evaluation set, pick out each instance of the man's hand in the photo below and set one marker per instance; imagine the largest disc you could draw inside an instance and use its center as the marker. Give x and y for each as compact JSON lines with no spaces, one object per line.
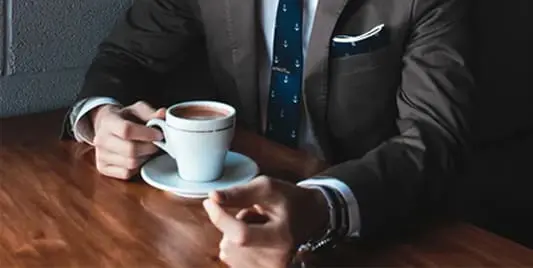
{"x":274,"y":217}
{"x":122,"y":141}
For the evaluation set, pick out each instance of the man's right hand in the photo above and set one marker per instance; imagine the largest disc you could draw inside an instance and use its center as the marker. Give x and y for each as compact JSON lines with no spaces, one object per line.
{"x":122,"y":141}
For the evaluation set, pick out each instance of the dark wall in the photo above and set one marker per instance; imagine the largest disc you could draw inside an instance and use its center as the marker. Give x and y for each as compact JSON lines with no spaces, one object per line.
{"x":497,"y":191}
{"x":45,"y":47}
{"x":503,"y":68}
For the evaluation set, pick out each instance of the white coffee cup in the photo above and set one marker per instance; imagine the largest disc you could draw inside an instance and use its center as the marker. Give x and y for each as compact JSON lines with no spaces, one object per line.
{"x":198,"y":135}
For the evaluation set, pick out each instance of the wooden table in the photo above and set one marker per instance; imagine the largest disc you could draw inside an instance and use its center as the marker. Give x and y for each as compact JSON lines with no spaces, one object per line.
{"x":57,"y":211}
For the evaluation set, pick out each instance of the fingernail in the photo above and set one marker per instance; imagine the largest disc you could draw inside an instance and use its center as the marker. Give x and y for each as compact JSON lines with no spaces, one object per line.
{"x":220,"y":196}
{"x":208,"y":204}
{"x":222,"y":256}
{"x":159,"y":136}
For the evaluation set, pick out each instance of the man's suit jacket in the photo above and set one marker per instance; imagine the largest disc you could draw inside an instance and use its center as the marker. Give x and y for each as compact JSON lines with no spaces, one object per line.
{"x":392,"y":122}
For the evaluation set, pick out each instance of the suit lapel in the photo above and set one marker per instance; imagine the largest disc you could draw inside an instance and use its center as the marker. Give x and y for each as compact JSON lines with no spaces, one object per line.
{"x":232,"y":30}
{"x":316,"y":67}
{"x":243,"y":25}
{"x":327,"y":14}
{"x":237,"y":48}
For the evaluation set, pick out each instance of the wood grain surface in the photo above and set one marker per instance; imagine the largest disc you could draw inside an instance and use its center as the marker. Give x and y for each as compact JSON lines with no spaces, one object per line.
{"x":57,"y":211}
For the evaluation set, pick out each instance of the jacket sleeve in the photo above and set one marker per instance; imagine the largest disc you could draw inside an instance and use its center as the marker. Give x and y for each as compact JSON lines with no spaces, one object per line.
{"x":154,"y":37}
{"x":415,"y":168}
{"x":151,"y":40}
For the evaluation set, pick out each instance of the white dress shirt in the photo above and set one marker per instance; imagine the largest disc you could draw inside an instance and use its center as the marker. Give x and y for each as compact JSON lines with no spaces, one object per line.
{"x":83,"y":131}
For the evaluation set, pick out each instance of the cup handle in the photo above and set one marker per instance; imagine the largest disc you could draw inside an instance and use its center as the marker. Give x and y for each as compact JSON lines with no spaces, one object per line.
{"x":164,"y":128}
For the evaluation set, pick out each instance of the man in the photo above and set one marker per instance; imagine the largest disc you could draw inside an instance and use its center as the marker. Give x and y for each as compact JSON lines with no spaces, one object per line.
{"x":388,"y":109}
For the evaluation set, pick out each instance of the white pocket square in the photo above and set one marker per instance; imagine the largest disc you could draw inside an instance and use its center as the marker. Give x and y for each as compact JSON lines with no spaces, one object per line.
{"x":353,"y":39}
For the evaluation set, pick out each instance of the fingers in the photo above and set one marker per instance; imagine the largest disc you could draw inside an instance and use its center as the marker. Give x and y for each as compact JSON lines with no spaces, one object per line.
{"x":161,"y":113}
{"x":143,"y":111}
{"x":117,"y":123}
{"x":237,"y":231}
{"x":224,"y":222}
{"x":114,"y":159}
{"x":251,"y":216}
{"x":129,"y":123}
{"x":129,"y":130}
{"x":257,"y":191}
{"x":225,"y":251}
{"x":119,"y":158}
{"x":243,"y":213}
{"x":116,"y":172}
{"x":122,"y":145}
{"x":116,"y":165}
{"x":131,"y":149}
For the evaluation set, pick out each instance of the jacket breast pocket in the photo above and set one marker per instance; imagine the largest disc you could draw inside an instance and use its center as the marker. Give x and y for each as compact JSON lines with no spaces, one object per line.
{"x":359,"y":62}
{"x":362,"y":91}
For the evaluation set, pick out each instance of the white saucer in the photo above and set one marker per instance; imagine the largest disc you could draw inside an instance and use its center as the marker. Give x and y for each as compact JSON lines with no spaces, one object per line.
{"x":161,"y":173}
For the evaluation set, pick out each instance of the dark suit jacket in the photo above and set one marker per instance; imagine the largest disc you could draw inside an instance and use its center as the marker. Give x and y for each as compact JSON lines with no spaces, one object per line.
{"x":393,"y":122}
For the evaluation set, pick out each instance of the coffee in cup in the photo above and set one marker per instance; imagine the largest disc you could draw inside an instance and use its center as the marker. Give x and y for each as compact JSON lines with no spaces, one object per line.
{"x":198,"y":112}
{"x":198,"y":135}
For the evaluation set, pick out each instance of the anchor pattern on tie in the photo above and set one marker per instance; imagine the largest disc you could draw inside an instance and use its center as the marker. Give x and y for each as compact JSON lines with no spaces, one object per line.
{"x":284,"y":108}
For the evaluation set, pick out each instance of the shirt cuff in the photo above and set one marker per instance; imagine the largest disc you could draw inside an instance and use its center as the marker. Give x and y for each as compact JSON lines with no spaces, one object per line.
{"x":81,"y":126}
{"x":354,"y":220}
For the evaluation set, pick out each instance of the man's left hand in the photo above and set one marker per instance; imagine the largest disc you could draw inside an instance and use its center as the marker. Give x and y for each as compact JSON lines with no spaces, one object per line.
{"x":274,"y":217}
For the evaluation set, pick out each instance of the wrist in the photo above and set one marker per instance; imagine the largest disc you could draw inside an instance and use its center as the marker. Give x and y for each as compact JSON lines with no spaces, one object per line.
{"x":314,"y":216}
{"x":98,"y":112}
{"x":327,"y":214}
{"x":322,"y":215}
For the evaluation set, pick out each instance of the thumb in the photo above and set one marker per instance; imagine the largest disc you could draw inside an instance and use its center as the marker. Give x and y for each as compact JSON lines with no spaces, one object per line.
{"x":243,"y":196}
{"x":236,"y":230}
{"x":224,"y":222}
{"x":160,"y":113}
{"x":141,"y":110}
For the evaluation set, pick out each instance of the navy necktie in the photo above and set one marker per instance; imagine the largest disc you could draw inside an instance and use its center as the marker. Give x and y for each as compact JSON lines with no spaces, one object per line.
{"x":283,"y":117}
